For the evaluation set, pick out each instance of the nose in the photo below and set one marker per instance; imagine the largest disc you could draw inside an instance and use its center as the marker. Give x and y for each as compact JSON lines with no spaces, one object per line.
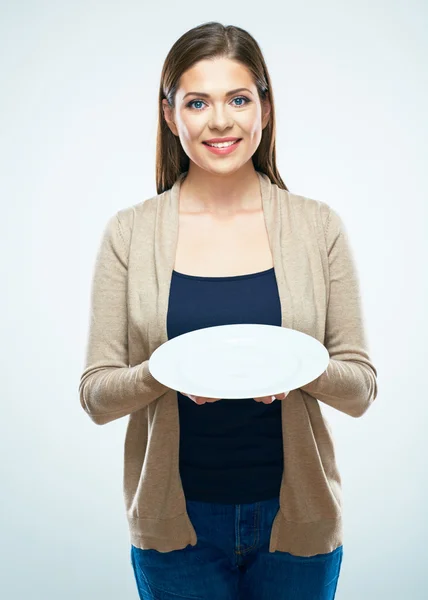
{"x":220,"y":118}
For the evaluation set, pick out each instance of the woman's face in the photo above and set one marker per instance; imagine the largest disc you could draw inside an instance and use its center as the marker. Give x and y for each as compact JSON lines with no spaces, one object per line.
{"x":197,"y":118}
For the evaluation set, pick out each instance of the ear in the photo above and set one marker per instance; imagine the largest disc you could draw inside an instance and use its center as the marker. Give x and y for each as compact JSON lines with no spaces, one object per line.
{"x":266,"y":109}
{"x":168,"y":114}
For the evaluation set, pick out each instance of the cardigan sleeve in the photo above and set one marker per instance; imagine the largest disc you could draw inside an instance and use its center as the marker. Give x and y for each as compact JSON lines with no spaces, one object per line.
{"x":349,"y":383}
{"x":109,"y":388}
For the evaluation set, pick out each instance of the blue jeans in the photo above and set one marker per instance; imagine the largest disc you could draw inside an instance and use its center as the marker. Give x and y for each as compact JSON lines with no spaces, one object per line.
{"x":231,"y":561}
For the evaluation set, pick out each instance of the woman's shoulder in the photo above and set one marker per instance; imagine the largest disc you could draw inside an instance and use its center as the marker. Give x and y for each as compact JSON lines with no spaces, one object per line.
{"x":306,"y":207}
{"x":143,"y":209}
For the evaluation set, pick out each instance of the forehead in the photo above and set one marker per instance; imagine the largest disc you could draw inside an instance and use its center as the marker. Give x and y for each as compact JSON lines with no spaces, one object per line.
{"x":215,"y":76}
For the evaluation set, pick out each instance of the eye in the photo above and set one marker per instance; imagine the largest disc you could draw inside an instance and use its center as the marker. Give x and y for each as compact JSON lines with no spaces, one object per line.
{"x":247,"y":101}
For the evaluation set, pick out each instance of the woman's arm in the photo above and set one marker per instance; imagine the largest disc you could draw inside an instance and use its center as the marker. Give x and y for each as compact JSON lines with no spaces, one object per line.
{"x":349,"y":384}
{"x":109,"y":388}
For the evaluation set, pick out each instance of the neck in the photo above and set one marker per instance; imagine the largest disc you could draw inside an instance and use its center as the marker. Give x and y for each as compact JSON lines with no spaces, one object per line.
{"x":220,"y":194}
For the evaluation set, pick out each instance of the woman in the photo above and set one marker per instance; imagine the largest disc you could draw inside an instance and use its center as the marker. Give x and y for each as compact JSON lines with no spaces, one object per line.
{"x":225,"y":499}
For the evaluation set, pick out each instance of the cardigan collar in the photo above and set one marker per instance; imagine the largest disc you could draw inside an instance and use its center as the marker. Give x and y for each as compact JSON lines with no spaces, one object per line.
{"x":276,"y":209}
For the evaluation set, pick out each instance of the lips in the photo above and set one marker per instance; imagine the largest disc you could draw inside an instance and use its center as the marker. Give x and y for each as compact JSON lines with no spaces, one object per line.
{"x":223,"y":141}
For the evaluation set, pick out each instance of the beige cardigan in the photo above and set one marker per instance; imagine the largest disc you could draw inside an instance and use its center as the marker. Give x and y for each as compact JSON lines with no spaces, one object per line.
{"x":319,"y":292}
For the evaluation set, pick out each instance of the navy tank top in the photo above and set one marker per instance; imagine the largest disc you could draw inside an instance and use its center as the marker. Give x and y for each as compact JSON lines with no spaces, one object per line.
{"x":231,"y":451}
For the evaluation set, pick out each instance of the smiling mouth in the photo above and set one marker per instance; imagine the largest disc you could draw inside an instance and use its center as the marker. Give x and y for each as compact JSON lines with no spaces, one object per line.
{"x":227,"y":143}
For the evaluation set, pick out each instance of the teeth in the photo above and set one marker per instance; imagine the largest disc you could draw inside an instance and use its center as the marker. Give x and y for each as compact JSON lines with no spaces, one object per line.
{"x":222,"y":145}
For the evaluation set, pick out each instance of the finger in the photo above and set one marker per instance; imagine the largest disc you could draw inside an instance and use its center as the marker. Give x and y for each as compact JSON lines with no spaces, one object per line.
{"x":265,"y":399}
{"x":202,"y":400}
{"x":196,"y":399}
{"x":199,"y":400}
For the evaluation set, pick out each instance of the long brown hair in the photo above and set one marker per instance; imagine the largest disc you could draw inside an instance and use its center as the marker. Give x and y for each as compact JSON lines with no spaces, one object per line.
{"x":207,"y":41}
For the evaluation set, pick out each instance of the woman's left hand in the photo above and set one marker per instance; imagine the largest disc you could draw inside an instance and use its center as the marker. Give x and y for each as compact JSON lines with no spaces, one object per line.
{"x":270,"y":399}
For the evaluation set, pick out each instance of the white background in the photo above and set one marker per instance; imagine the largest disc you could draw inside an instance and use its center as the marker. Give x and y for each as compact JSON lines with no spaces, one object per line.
{"x":78,"y":110}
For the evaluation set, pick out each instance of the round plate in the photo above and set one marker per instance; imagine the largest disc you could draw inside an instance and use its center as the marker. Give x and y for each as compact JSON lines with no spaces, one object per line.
{"x":239,"y":361}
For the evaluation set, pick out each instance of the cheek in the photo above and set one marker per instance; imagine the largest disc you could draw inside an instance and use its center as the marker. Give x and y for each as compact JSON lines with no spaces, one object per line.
{"x":251,"y":126}
{"x":191,"y":136}
{"x":255,"y":129}
{"x":191,"y":128}
{"x":185,"y":131}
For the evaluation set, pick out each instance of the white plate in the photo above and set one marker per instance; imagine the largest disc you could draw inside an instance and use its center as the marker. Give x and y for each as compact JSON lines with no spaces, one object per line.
{"x":239,"y":361}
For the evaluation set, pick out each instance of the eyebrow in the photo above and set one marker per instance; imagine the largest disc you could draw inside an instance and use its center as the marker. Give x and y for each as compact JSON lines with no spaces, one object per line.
{"x":226,"y":94}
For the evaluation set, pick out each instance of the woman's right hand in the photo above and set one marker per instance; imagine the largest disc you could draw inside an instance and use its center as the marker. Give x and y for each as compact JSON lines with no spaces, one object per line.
{"x":200,"y":399}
